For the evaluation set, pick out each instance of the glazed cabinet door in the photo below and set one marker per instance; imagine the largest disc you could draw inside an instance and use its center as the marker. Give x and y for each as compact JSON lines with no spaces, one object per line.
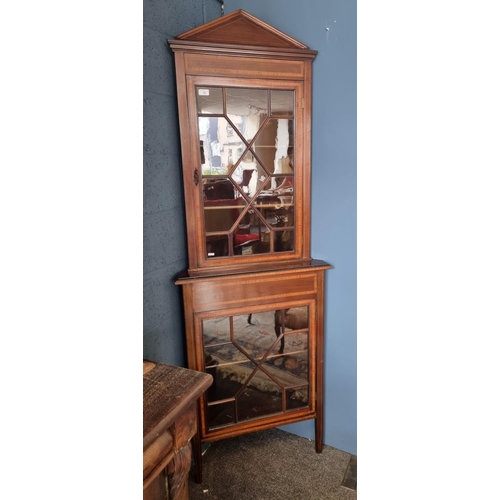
{"x":246,"y":180}
{"x":261,"y":361}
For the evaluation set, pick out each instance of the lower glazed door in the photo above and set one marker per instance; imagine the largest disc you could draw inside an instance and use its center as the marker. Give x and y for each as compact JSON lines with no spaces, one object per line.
{"x":262,"y":363}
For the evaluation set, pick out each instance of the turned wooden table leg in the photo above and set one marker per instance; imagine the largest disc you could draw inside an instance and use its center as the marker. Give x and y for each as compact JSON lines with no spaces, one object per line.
{"x":177,"y":474}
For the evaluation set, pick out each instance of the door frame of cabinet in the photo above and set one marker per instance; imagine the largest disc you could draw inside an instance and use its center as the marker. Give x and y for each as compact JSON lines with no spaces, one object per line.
{"x":286,"y":76}
{"x":207,"y":434}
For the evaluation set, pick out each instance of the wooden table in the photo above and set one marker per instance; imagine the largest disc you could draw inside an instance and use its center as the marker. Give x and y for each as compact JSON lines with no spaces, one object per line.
{"x":170,"y":394}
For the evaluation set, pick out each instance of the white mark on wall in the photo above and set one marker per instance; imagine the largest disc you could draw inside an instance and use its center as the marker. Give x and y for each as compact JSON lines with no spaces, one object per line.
{"x":327,"y":29}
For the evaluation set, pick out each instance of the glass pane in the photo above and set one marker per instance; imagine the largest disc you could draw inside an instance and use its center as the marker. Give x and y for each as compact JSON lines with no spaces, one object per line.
{"x":224,"y":354}
{"x":218,"y":189}
{"x":267,"y":142}
{"x":217,"y":245}
{"x":220,"y":219}
{"x":282,"y":102}
{"x":246,"y":109}
{"x":290,"y":370}
{"x":262,"y":397}
{"x":221,"y":215}
{"x":297,"y":398}
{"x":246,"y":101}
{"x":289,"y":361}
{"x":295,"y":344}
{"x":277,"y":209}
{"x":209,"y":100}
{"x":252,"y":237}
{"x":215,"y":331}
{"x":266,"y":194}
{"x":283,"y":185}
{"x":229,"y":379}
{"x":284,"y":241}
{"x":246,"y":176}
{"x":220,"y":146}
{"x":234,"y":349}
{"x":293,"y":318}
{"x":221,"y":414}
{"x":255,"y":333}
{"x":274,"y":145}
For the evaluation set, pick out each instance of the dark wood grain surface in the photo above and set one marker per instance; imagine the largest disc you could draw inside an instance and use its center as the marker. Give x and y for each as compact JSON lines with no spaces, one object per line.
{"x":169,"y":422}
{"x":167,"y":391}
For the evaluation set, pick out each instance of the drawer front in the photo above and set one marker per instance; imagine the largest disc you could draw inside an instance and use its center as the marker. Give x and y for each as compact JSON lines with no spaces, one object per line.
{"x":249,"y":289}
{"x":219,"y":65}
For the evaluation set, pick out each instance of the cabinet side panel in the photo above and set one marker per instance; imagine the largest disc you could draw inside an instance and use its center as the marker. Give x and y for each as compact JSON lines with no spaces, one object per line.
{"x":187,"y":292}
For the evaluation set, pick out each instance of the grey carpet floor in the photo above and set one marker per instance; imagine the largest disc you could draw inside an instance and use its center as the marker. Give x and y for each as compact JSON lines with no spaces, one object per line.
{"x":273,"y":465}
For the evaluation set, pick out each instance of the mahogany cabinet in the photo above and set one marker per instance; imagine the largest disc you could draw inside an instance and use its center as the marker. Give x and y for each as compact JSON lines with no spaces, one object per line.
{"x":253,"y":296}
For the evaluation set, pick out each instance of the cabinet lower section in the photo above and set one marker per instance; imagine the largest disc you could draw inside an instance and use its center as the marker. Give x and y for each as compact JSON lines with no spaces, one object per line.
{"x":260,"y":335}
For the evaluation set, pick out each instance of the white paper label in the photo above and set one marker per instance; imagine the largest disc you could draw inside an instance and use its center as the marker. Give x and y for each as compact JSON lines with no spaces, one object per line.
{"x":203,"y":92}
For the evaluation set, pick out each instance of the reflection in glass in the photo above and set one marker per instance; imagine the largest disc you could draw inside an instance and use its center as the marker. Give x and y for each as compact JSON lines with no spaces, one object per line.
{"x":282,"y":102}
{"x":221,"y":414}
{"x":251,"y":154}
{"x":246,"y":102}
{"x":217,"y":245}
{"x":283,"y":241}
{"x":246,"y":175}
{"x":218,"y":189}
{"x":219,"y":330}
{"x":222,"y":215}
{"x":263,"y":368}
{"x":220,"y":146}
{"x":265,"y":145}
{"x":297,"y":398}
{"x":209,"y":100}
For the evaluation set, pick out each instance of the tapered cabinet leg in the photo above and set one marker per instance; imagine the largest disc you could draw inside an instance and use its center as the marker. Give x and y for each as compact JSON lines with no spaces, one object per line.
{"x":197,"y":457}
{"x":319,"y":434}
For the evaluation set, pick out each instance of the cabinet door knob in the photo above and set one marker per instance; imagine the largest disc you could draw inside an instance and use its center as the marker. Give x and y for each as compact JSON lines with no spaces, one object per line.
{"x":196,"y":177}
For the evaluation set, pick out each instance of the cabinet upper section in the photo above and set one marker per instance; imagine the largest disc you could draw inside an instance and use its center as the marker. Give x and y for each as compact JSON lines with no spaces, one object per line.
{"x":244,"y":97}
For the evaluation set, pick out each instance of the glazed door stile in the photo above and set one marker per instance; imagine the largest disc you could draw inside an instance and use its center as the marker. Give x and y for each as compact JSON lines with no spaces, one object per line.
{"x":187,"y":153}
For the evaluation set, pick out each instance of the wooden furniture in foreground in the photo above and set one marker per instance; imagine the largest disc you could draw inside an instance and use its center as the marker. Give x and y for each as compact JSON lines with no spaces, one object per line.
{"x":170,"y":395}
{"x":253,"y":296}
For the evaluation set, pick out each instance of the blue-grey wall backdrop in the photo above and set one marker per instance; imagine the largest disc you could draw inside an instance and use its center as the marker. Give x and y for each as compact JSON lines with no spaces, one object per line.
{"x":165,"y":252}
{"x":333,"y":184}
{"x":329,"y":26}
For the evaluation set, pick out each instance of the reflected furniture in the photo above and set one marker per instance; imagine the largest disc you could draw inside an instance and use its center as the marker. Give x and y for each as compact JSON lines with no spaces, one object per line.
{"x":253,"y":296}
{"x":170,"y":395}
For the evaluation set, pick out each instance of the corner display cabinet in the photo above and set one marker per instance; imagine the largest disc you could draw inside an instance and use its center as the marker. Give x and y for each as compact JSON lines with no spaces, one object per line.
{"x":253,"y":297}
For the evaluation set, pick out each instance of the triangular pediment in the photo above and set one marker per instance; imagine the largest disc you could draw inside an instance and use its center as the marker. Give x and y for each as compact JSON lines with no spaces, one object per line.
{"x":241,"y":28}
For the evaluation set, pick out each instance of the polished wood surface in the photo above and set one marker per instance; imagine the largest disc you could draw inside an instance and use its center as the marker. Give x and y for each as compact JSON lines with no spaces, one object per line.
{"x":241,"y":28}
{"x":170,"y":394}
{"x":243,"y":293}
